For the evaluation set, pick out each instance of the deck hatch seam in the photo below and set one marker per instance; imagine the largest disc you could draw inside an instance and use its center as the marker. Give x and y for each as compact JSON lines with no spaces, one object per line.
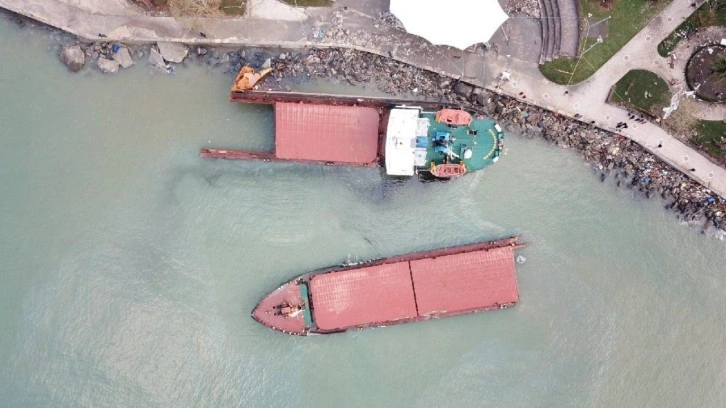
{"x":413,"y":287}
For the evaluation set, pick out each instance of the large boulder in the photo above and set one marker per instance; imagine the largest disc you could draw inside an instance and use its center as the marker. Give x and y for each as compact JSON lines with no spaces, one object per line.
{"x":482,"y":98}
{"x":172,"y":52}
{"x":73,"y":57}
{"x":156,"y":59}
{"x":108,"y":66}
{"x":463,"y":89}
{"x":123,"y":57}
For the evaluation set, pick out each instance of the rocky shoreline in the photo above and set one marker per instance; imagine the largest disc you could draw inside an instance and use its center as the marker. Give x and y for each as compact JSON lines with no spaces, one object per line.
{"x":610,"y":154}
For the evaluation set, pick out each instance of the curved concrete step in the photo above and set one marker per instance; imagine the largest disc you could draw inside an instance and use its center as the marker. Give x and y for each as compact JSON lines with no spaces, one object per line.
{"x":557,"y":23}
{"x":548,"y":30}
{"x":543,"y":25}
{"x":569,"y":18}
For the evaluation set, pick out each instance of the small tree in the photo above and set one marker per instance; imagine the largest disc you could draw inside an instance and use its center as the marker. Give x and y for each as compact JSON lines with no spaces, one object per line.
{"x":150,"y":4}
{"x":705,"y":17}
{"x":717,"y":4}
{"x":719,"y":66}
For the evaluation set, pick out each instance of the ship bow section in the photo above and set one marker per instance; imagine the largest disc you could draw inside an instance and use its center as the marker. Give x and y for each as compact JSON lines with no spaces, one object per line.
{"x":286,"y":309}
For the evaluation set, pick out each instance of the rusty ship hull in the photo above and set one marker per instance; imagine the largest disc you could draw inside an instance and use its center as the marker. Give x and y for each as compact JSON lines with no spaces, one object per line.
{"x":401,"y":136}
{"x":401,"y":289}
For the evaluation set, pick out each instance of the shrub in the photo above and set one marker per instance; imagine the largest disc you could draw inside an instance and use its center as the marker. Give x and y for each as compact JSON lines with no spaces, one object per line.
{"x":719,"y":66}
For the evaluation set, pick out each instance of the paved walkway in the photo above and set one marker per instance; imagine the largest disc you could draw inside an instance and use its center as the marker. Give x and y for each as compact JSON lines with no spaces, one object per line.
{"x":642,"y":53}
{"x":676,"y":79}
{"x":587,"y":98}
{"x":281,"y":11}
{"x":353,"y":28}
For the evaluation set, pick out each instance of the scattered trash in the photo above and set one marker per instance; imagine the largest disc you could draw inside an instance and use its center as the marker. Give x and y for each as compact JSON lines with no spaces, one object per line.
{"x":318,"y":34}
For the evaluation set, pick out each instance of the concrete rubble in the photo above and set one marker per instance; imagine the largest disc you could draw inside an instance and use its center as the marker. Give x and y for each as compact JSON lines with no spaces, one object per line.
{"x":173,"y":52}
{"x":123,"y":57}
{"x":611,"y":155}
{"x":73,"y":57}
{"x":156,"y":59}
{"x":107,"y":66}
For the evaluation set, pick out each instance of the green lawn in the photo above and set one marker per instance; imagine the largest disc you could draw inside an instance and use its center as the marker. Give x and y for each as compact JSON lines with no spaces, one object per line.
{"x":630,"y":91}
{"x":710,"y":136}
{"x":627,"y":18}
{"x":233,"y":7}
{"x":228,"y":7}
{"x":309,"y":3}
{"x":710,"y":13}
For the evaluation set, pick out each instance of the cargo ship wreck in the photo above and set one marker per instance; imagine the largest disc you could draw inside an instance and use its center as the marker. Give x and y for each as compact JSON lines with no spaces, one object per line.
{"x":400,"y":289}
{"x":427,"y":138}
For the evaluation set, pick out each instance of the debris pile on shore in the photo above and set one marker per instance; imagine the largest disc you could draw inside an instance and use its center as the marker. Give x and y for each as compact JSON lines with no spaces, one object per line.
{"x":110,"y":56}
{"x":610,"y":154}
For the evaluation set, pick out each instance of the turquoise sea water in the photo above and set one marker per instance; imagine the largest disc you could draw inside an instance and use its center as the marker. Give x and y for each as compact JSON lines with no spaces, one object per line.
{"x":130,"y":265}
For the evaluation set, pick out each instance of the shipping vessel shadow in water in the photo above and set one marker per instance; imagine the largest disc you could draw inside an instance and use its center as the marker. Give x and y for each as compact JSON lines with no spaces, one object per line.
{"x":424,"y":139}
{"x":400,"y":289}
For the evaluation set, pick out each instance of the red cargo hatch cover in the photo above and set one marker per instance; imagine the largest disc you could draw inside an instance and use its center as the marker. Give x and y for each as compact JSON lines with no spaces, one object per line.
{"x":361,"y":296}
{"x":465,"y":282}
{"x":324,"y":133}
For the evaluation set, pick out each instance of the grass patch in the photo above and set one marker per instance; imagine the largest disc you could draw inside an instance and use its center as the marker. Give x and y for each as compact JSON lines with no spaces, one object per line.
{"x":309,"y":3}
{"x":233,"y":7}
{"x":227,"y":7}
{"x":628,"y":17}
{"x":631,"y":90}
{"x":711,"y":137}
{"x":710,"y":13}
